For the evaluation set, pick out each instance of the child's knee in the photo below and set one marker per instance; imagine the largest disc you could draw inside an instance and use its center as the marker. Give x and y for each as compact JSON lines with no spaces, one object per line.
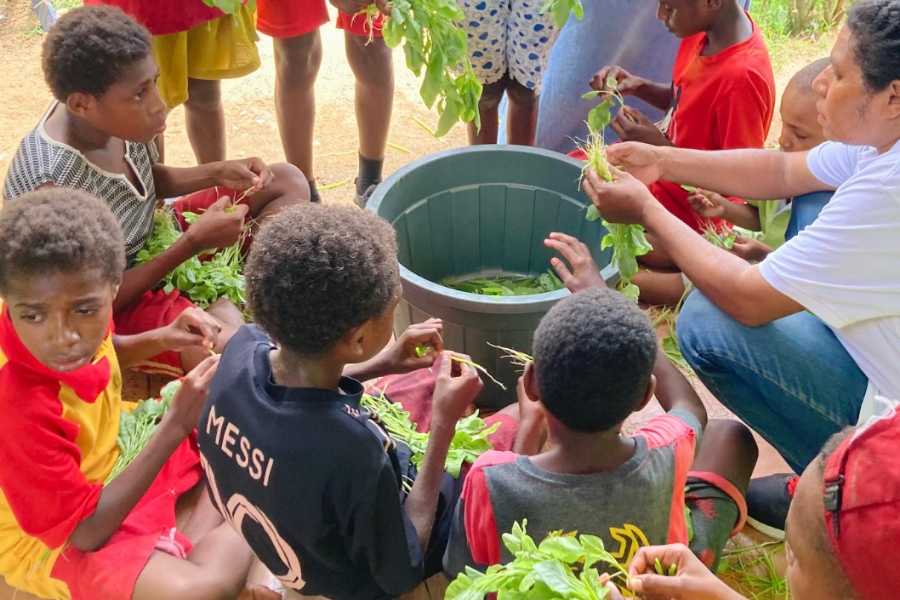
{"x":521,"y":95}
{"x":204,"y":94}
{"x":727,"y":433}
{"x":290,"y":182}
{"x":370,"y":62}
{"x":491,"y":95}
{"x":297,"y":60}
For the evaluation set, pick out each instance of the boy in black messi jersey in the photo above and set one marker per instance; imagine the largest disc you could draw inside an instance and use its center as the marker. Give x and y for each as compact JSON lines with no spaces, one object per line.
{"x":314,"y":486}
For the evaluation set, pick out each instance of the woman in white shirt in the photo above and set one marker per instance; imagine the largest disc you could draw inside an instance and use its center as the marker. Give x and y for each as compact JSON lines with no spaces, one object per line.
{"x":808,"y":341}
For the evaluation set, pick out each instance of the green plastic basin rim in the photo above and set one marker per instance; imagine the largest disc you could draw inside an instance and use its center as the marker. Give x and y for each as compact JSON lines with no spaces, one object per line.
{"x":465,"y":300}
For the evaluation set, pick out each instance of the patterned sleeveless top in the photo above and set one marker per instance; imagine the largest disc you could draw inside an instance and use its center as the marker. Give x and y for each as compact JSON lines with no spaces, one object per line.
{"x":41,"y":160}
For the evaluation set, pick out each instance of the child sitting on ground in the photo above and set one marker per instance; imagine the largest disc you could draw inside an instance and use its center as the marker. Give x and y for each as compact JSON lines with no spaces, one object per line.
{"x":98,"y":137}
{"x":65,"y":531}
{"x":777,"y":220}
{"x":842,"y":532}
{"x":595,"y":362}
{"x":316,"y":487}
{"x":722,"y":93}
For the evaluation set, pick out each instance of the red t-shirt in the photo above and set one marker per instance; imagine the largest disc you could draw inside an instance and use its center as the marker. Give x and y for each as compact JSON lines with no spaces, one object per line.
{"x":721,"y":101}
{"x":163,"y":17}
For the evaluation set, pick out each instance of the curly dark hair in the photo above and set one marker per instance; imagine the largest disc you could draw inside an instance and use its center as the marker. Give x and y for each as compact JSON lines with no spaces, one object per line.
{"x":593,"y":357}
{"x":316,"y":271}
{"x":88,"y":49}
{"x":58,"y":229}
{"x":875,"y":25}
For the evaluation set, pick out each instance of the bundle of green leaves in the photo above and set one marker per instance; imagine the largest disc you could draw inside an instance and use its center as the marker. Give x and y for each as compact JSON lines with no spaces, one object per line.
{"x":561,"y":9}
{"x":627,"y":241}
{"x":138,"y":426}
{"x":202,"y":281}
{"x":562,"y":566}
{"x":469,"y":441}
{"x":434,"y":41}
{"x":506,"y":285}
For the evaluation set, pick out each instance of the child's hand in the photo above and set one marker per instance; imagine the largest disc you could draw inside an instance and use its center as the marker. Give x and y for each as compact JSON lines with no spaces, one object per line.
{"x":188,"y":402}
{"x":631,"y":125}
{"x":582,"y":272}
{"x":641,"y":160}
{"x":750,"y":250}
{"x":626,"y":83}
{"x":457,"y":386}
{"x":245,"y":174}
{"x":402,"y":356}
{"x":192,"y":328}
{"x":708,"y":204}
{"x":218,"y":227}
{"x":692,"y":579}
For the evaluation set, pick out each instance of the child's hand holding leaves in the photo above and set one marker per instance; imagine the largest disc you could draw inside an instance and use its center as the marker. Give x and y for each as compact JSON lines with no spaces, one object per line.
{"x":631,"y":125}
{"x":192,"y":328}
{"x":691,"y":579}
{"x":626,"y":83}
{"x":190,"y":397}
{"x":417,"y":348}
{"x":581,"y":272}
{"x":454,"y":392}
{"x":623,"y":200}
{"x":245,"y":174}
{"x":219,"y":227}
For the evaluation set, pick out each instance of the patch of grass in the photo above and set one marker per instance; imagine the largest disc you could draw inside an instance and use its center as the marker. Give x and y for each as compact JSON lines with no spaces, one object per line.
{"x":753,"y":571}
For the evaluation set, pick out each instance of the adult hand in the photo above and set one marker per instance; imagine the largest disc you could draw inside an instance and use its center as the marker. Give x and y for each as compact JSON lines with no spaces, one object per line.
{"x":626,"y":83}
{"x":708,"y":204}
{"x":402,"y":355}
{"x":622,"y":200}
{"x":250,"y":174}
{"x":581,"y":272}
{"x":188,"y":401}
{"x":641,"y":160}
{"x":455,"y":390}
{"x":631,"y":125}
{"x":692,"y":581}
{"x":193,"y":327}
{"x":220,"y":226}
{"x":750,"y":250}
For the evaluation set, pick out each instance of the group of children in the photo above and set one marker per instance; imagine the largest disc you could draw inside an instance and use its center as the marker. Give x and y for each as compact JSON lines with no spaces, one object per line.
{"x":266,"y":453}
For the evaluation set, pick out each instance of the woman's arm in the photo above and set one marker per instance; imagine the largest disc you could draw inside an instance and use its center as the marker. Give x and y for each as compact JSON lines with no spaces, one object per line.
{"x":123,"y":493}
{"x":751,"y":173}
{"x":728,"y":281}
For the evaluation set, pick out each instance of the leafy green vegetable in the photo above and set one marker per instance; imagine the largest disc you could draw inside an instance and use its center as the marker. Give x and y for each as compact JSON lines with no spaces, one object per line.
{"x":562,"y":566}
{"x":433,"y":40}
{"x":560,"y":10}
{"x":627,"y":241}
{"x":506,"y":285}
{"x":138,"y":426}
{"x":202,"y":281}
{"x":469,"y":441}
{"x":723,"y":237}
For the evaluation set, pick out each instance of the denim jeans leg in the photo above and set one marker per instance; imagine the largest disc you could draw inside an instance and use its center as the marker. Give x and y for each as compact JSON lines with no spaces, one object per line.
{"x":804,"y":210}
{"x":790,"y":380}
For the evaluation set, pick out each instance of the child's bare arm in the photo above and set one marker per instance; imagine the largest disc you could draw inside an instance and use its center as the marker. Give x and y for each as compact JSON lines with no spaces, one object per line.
{"x":192,"y":328}
{"x":453,"y":394}
{"x":243,"y":174}
{"x":123,"y":493}
{"x":712,"y":205}
{"x":220,"y":226}
{"x":654,"y":93}
{"x":673,"y":390}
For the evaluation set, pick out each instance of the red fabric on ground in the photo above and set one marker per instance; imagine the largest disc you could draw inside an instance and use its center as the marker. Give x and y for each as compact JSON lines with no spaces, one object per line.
{"x":112,"y":571}
{"x":281,"y":19}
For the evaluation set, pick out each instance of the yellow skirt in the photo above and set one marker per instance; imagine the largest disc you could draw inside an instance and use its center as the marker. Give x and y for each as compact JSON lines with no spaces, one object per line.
{"x":223,"y":48}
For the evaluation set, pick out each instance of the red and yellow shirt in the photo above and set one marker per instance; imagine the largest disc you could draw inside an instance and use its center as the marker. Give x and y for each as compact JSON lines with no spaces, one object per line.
{"x":57,"y":446}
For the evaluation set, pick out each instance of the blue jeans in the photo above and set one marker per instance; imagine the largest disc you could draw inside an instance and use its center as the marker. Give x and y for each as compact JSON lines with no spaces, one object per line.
{"x":804,"y":210}
{"x":790,"y":380}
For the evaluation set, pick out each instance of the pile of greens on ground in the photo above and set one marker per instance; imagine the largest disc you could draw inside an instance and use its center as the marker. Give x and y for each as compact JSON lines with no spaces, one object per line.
{"x":469,"y":442}
{"x":202,"y":280}
{"x":627,"y":241}
{"x":138,"y":426}
{"x":562,"y":566}
{"x":506,"y":285}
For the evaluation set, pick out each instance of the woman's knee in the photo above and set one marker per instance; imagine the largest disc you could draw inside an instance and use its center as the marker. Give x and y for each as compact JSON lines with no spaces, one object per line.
{"x":698,"y":315}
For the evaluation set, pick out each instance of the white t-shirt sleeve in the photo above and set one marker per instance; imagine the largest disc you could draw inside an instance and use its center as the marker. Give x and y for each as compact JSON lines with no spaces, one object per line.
{"x":833,"y":163}
{"x":843,"y":267}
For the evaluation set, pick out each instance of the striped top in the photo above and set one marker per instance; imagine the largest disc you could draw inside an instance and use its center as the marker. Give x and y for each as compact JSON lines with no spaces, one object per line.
{"x":41,"y":160}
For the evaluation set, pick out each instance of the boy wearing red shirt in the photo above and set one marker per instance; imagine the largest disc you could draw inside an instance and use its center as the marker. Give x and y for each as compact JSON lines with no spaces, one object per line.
{"x":722,"y":93}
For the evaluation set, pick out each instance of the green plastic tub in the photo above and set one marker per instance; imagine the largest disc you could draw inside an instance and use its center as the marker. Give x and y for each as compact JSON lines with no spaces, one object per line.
{"x":483,"y":210}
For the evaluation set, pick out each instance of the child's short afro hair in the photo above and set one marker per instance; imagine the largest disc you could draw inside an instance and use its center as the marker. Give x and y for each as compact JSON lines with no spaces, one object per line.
{"x":316,"y":271}
{"x":593,"y":356}
{"x":58,"y":229}
{"x":89,"y":47}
